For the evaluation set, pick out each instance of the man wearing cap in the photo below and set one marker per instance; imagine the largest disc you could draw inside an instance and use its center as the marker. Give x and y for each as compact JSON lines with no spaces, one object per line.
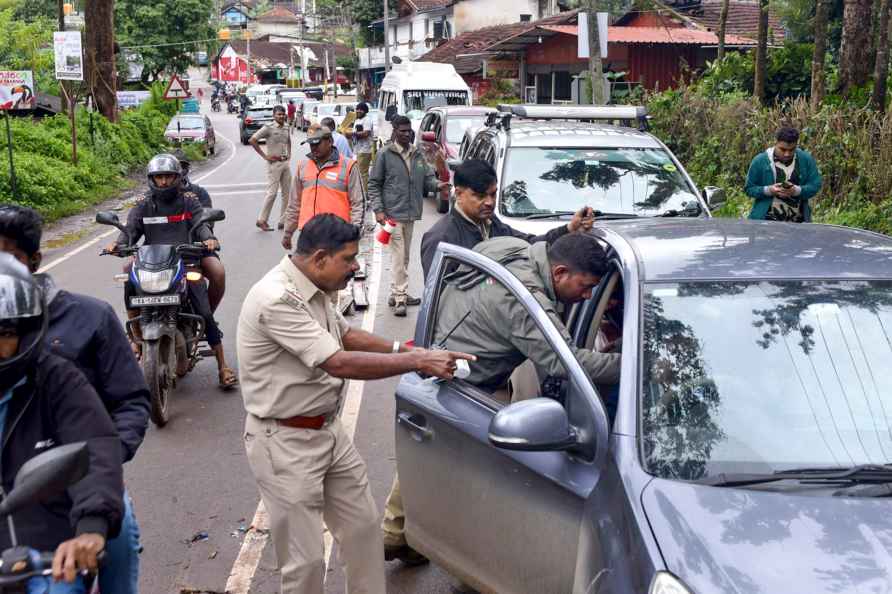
{"x":277,"y":156}
{"x":295,"y":353}
{"x":325,"y":182}
{"x":361,"y":132}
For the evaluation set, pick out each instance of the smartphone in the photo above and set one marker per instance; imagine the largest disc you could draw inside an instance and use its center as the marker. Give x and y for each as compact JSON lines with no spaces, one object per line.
{"x":358,"y":128}
{"x":786,"y":185}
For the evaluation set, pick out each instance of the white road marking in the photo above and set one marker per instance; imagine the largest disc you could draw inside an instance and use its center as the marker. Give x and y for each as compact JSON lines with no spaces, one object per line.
{"x":260,"y":183}
{"x":102,"y":236}
{"x":239,"y":193}
{"x":245,"y":566}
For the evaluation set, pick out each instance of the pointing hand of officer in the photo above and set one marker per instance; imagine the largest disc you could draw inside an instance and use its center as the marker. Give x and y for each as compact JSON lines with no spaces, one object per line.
{"x":438,"y":363}
{"x":583,"y":220}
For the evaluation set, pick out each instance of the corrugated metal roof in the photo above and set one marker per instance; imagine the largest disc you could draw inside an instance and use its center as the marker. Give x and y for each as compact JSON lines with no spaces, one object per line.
{"x":672,"y":35}
{"x":425,"y":5}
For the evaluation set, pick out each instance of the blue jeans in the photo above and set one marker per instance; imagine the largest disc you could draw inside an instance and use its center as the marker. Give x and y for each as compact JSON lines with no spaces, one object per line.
{"x":120,"y":572}
{"x":46,"y":585}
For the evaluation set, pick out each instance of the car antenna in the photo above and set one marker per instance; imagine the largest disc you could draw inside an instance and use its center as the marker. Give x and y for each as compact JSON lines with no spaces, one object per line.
{"x":442,"y":343}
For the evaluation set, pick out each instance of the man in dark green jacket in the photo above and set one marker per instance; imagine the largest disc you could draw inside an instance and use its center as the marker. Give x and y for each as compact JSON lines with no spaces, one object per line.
{"x":782,"y":180}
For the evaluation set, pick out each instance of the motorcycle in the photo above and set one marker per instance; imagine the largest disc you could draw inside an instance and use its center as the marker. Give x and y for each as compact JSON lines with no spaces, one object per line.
{"x":215,"y":103}
{"x":232,"y":105}
{"x":40,"y":478}
{"x":164,"y":278}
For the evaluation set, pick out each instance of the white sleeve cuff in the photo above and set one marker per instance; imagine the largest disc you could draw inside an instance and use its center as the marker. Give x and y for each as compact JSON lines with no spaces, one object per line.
{"x":767,"y":190}
{"x":797,"y":190}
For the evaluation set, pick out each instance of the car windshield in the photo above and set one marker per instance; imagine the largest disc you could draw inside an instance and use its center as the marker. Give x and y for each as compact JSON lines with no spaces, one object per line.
{"x":415,"y":103}
{"x":186,"y":124}
{"x":456,"y":126}
{"x":326,"y":108}
{"x":641,"y":181}
{"x":756,"y":377}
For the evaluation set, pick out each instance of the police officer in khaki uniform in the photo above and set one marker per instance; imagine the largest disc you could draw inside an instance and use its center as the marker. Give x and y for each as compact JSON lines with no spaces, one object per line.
{"x":295,"y":351}
{"x":502,"y":334}
{"x":277,"y":155}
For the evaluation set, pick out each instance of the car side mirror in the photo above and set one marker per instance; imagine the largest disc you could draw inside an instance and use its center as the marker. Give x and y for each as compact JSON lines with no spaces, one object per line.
{"x":453,"y":164}
{"x":47,"y":475}
{"x":535,"y":425}
{"x":715,"y":197}
{"x":390,"y":113}
{"x":428,"y":136}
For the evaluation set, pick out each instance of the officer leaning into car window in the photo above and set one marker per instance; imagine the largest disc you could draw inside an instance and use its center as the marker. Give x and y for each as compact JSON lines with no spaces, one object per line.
{"x":486,"y":320}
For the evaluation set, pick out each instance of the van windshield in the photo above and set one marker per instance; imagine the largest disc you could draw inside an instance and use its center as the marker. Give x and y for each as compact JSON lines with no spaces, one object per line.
{"x":418,"y":102}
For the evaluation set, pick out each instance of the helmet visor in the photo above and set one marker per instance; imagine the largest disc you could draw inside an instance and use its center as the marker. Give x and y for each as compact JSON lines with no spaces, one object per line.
{"x":19,"y":298}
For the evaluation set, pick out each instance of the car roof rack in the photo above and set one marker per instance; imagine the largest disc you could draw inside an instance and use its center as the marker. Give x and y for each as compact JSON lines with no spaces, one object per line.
{"x":498,"y":119}
{"x":627,"y":115}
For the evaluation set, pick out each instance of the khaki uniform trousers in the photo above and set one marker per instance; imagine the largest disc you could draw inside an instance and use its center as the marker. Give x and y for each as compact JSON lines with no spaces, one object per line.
{"x":400,"y":246}
{"x":305,"y":476}
{"x":278,"y":176}
{"x":394,"y":525}
{"x":364,"y":162}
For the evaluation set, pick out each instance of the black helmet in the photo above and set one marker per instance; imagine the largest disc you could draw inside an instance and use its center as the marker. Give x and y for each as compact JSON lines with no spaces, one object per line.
{"x":22,"y":306}
{"x":164,"y":164}
{"x":183,"y":158}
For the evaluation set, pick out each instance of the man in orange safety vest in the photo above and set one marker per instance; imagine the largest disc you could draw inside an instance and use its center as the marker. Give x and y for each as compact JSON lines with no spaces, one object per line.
{"x":324,"y":182}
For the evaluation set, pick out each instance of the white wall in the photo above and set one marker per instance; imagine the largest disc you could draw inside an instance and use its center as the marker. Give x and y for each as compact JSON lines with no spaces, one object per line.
{"x":469,"y":15}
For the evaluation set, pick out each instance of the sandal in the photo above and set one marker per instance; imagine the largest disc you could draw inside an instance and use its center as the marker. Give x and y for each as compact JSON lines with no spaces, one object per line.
{"x":228,"y":378}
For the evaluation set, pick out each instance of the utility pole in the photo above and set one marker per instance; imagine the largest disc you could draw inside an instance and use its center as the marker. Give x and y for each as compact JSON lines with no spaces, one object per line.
{"x":386,"y":38}
{"x":595,"y":67}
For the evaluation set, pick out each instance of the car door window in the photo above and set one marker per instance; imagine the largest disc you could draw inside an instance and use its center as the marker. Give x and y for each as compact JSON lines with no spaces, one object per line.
{"x":475,"y":312}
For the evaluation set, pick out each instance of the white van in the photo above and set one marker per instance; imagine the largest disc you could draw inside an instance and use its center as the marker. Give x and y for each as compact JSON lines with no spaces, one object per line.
{"x":411,"y":88}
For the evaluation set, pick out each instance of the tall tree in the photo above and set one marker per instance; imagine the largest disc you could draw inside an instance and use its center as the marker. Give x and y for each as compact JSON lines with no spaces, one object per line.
{"x":881,"y":65}
{"x":164,"y":32}
{"x":100,"y":55}
{"x":854,"y":52}
{"x":595,"y":64}
{"x":761,"y":52}
{"x":365,"y":12}
{"x":822,"y":14}
{"x":723,"y":23}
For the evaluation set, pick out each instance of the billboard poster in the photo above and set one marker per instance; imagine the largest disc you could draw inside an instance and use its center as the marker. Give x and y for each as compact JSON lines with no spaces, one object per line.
{"x":69,"y":55}
{"x":17,"y":90}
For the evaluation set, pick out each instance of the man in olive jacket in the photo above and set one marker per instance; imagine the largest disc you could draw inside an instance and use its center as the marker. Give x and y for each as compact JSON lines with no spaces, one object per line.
{"x":782,"y":180}
{"x":397,"y":184}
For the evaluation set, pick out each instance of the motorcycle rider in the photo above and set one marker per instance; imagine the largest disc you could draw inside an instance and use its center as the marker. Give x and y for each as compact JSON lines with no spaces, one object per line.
{"x":214,"y":270}
{"x":87,"y":332}
{"x":45,"y":401}
{"x":165,"y":215}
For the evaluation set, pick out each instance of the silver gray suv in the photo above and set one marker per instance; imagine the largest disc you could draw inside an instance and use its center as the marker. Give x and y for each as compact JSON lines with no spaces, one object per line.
{"x":552,"y":160}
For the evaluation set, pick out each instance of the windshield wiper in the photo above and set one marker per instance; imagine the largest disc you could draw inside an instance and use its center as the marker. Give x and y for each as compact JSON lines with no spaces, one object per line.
{"x":687,"y":211}
{"x":865,"y":473}
{"x":598,"y":215}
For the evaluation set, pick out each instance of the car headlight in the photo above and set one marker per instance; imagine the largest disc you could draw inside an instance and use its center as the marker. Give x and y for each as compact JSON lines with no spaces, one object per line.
{"x":666,"y":583}
{"x":155,"y":282}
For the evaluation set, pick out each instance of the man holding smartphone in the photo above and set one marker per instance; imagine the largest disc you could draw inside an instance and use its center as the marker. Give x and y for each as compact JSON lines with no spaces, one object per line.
{"x":362,"y":136}
{"x":782,"y":180}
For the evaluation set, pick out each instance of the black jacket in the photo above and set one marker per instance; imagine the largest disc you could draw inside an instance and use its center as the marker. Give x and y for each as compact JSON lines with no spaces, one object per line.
{"x":165,"y":222}
{"x":56,"y":406}
{"x":456,"y":229}
{"x":87,"y":332}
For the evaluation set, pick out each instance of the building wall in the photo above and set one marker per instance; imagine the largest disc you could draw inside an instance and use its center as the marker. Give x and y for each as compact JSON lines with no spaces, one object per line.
{"x":470,"y":15}
{"x":275,"y":29}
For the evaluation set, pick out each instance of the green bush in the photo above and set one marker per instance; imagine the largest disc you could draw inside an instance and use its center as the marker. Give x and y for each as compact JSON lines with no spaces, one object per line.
{"x":787,"y":73}
{"x":717,"y":135}
{"x":46,"y":178}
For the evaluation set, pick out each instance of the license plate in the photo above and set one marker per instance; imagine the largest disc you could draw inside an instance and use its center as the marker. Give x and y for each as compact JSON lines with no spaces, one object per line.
{"x":155,"y":300}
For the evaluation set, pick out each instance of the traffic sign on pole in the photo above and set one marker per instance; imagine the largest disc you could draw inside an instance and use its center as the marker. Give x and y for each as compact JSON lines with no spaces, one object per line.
{"x":176,"y":89}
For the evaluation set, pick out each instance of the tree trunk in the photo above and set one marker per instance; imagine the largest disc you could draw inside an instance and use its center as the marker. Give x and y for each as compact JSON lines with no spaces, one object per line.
{"x":854,"y":53}
{"x":595,"y":65}
{"x":822,"y":15}
{"x":723,"y":22}
{"x":761,"y":52}
{"x":881,"y":65}
{"x":100,"y":56}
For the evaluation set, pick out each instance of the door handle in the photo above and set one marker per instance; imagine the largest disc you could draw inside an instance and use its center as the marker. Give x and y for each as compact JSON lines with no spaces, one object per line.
{"x":414,"y":423}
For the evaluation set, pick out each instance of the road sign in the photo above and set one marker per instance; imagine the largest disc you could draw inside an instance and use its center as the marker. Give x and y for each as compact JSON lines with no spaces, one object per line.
{"x":176,"y":89}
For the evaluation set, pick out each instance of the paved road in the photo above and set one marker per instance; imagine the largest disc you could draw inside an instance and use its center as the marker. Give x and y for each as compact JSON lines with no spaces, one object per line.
{"x":192,"y":476}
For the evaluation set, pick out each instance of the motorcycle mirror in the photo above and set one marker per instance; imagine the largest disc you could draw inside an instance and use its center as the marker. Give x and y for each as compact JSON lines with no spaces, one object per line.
{"x":208,"y":215}
{"x":105,"y":217}
{"x":47,"y":475}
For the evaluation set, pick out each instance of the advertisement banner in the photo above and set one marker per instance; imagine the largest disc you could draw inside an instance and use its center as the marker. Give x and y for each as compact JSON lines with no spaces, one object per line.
{"x":69,"y":55}
{"x":131,"y":99}
{"x":17,"y":90}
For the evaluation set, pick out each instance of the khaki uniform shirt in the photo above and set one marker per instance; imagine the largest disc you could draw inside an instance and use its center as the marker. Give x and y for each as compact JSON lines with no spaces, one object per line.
{"x":501,"y":332}
{"x":288,"y":327}
{"x":278,"y":139}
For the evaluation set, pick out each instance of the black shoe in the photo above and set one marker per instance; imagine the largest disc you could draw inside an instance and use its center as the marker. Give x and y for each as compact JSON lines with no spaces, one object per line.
{"x":399,"y":310}
{"x":391,"y":301}
{"x":404,"y":553}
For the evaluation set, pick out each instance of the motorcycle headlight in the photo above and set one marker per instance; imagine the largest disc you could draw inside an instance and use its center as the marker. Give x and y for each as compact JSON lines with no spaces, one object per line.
{"x":155,"y":282}
{"x":666,"y":583}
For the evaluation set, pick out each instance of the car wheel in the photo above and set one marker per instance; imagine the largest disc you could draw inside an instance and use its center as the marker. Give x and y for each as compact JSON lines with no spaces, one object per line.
{"x":244,"y":140}
{"x":214,"y":149}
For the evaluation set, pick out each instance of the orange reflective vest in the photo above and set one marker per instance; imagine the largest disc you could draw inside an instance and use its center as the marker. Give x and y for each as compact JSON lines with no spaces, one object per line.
{"x":324,"y":190}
